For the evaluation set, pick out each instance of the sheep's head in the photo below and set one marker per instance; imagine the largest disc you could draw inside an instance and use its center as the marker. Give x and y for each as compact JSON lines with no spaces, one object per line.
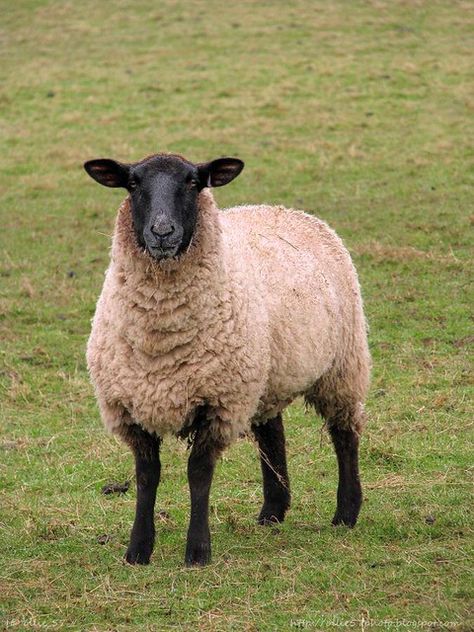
{"x":164,"y":191}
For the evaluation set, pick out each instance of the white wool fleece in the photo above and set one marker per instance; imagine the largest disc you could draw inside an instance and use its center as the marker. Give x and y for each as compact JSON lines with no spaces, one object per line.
{"x":263,"y":306}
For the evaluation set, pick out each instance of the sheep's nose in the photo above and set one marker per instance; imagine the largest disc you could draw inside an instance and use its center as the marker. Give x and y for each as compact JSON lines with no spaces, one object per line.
{"x":162,"y":228}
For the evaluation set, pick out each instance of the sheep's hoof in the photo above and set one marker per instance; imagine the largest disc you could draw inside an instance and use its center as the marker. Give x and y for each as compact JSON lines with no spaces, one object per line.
{"x":348,"y":510}
{"x":271,"y":515}
{"x":344,"y":518}
{"x":197,"y":554}
{"x":138,"y":555}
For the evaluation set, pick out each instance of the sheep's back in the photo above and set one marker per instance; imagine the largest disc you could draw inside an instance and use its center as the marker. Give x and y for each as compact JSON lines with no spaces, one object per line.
{"x":311,"y":291}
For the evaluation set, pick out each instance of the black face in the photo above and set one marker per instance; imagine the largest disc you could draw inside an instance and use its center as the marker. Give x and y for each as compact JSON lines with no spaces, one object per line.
{"x":164,"y":191}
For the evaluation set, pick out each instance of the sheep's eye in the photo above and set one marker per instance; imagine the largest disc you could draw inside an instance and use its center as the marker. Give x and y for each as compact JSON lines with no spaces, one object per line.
{"x":192,"y":184}
{"x":132,"y":184}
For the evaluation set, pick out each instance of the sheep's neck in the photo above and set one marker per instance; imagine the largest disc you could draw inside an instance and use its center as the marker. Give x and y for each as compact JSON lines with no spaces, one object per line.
{"x":180,"y":297}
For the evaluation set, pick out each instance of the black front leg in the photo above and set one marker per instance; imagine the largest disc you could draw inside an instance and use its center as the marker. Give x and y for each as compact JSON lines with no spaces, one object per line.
{"x":202,"y":460}
{"x":146,"y":448}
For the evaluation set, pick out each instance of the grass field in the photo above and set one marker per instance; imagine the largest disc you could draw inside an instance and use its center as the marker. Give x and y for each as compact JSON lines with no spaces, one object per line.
{"x":360,"y":112}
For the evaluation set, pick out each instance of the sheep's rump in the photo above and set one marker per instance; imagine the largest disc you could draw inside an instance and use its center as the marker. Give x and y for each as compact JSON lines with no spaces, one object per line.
{"x":312,"y":296}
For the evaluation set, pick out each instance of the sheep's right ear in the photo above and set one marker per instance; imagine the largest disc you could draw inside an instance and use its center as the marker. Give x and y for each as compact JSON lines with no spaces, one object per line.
{"x":108,"y":172}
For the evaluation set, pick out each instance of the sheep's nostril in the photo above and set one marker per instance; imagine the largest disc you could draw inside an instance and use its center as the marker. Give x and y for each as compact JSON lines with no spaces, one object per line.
{"x":162,"y":228}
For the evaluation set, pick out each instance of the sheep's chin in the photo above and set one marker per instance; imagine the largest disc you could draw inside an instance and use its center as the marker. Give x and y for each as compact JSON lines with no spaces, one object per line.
{"x":160,"y":255}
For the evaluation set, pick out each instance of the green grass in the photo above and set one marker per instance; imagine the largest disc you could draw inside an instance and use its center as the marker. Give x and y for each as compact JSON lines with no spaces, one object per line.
{"x":360,"y":112}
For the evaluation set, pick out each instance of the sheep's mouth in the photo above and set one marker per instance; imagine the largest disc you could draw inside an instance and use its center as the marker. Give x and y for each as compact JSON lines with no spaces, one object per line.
{"x":161,"y":253}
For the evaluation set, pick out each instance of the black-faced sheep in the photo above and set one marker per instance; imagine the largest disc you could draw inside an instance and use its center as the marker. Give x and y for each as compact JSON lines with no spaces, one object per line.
{"x":210,"y":323}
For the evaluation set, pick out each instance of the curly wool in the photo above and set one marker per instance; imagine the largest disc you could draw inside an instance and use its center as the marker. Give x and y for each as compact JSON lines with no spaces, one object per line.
{"x":264,"y":306}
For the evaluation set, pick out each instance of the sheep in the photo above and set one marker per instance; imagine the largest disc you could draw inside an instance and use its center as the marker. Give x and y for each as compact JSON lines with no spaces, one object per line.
{"x":210,"y":323}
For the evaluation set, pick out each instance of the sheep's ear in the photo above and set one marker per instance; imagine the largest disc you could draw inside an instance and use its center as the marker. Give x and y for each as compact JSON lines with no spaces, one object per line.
{"x":219,"y":172}
{"x":108,"y":172}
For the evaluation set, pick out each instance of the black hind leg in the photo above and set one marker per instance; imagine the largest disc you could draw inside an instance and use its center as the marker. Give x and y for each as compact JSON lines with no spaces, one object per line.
{"x":349,"y":491}
{"x":270,"y":437}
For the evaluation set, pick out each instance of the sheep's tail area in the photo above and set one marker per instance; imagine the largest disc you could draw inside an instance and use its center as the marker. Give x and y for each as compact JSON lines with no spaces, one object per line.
{"x":339,"y":395}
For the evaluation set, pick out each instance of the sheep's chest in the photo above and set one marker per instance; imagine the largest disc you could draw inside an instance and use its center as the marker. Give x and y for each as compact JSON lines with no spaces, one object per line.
{"x":158,"y":360}
{"x":159,"y":390}
{"x":160,"y":379}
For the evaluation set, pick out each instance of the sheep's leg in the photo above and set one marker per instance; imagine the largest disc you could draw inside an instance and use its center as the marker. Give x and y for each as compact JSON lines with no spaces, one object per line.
{"x":349,"y":491}
{"x":146,"y":449}
{"x":201,"y":464}
{"x":270,"y":437}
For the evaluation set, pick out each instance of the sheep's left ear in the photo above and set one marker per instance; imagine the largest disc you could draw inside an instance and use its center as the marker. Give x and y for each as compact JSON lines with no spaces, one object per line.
{"x":219,"y":172}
